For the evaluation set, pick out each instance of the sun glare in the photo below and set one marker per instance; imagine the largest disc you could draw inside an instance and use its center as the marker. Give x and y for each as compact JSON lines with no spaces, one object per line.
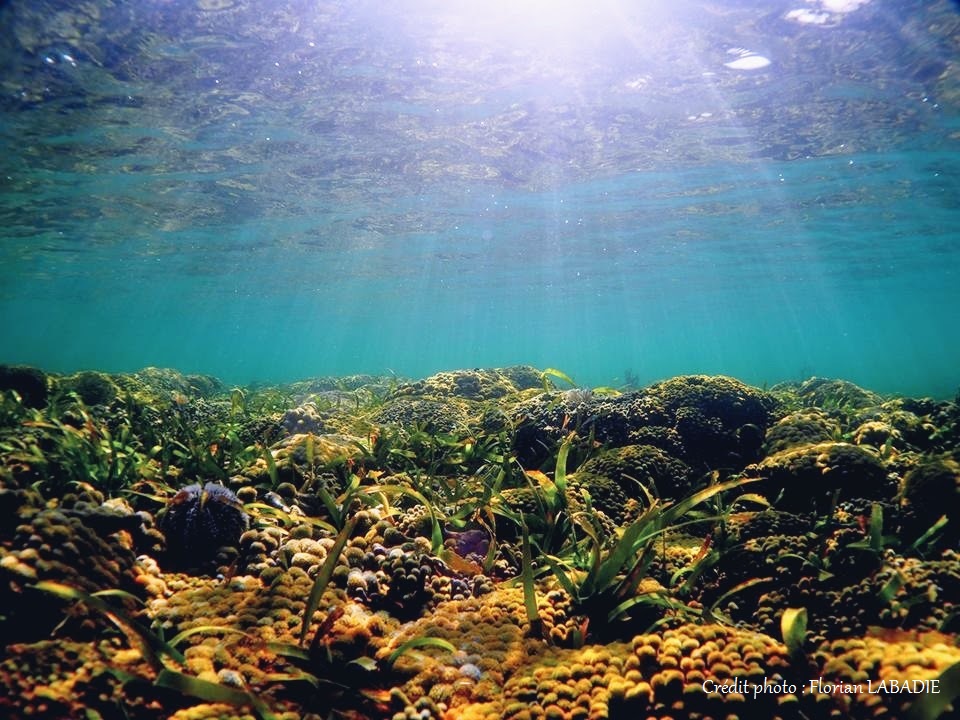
{"x":540,"y":24}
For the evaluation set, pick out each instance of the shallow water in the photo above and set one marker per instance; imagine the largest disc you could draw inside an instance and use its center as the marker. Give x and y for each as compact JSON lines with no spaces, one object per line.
{"x":275,"y":191}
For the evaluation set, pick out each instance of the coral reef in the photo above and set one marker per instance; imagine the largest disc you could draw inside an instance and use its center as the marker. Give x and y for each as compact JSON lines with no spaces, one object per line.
{"x":721,"y":420}
{"x":829,"y":394}
{"x":70,"y":679}
{"x":83,"y":545}
{"x":809,"y":426}
{"x":544,"y":420}
{"x":474,"y":384}
{"x":477,"y":544}
{"x":651,"y":467}
{"x":808,"y":476}
{"x":712,"y":421}
{"x":927,"y":492}
{"x":433,"y":416}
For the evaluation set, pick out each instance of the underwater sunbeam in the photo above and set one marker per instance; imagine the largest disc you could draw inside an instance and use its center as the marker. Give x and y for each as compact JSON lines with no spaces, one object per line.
{"x":542,"y":24}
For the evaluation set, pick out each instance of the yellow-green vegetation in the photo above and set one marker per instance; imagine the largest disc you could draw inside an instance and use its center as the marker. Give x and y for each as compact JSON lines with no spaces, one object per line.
{"x":477,"y":544}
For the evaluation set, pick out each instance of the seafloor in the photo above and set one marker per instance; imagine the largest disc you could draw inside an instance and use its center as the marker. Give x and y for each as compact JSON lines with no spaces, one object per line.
{"x":478,"y":544}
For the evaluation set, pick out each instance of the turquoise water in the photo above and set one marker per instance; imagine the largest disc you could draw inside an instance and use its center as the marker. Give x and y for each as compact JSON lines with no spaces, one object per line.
{"x":272,"y":191}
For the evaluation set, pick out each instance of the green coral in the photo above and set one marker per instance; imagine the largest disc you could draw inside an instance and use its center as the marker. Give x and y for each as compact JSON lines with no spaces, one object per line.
{"x":471,"y":384}
{"x":828,"y":394}
{"x":808,"y":476}
{"x":803,"y":427}
{"x":432,"y":416}
{"x":645,"y":465}
{"x":929,"y":491}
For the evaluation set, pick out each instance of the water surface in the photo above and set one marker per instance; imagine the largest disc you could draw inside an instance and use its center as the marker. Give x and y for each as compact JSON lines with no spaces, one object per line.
{"x":269,"y":191}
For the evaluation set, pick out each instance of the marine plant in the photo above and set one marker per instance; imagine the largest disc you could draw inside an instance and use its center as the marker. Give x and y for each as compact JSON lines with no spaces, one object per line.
{"x":603,"y":574}
{"x":12,"y":408}
{"x":575,"y":393}
{"x":260,"y":402}
{"x":933,"y":705}
{"x":529,"y":588}
{"x":548,"y":375}
{"x":420,"y":641}
{"x":456,"y":477}
{"x":208,"y":452}
{"x":554,"y":519}
{"x":875,"y":542}
{"x":383,"y":450}
{"x":66,"y":443}
{"x":604,"y":580}
{"x":793,"y":628}
{"x":422,"y":452}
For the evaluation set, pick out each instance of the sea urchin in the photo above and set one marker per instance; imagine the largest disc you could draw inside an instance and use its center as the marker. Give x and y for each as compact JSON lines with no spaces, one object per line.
{"x":200,"y":520}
